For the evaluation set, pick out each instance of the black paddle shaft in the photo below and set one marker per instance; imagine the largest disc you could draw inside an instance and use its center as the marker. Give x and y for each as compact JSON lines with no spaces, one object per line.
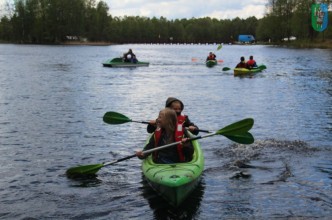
{"x":143,"y":122}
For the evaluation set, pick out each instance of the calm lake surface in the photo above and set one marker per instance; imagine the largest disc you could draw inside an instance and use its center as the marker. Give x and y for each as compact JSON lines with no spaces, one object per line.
{"x":53,"y":98}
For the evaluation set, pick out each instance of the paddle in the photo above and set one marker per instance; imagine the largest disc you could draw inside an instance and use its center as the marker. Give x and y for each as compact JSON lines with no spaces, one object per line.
{"x":218,"y":48}
{"x":118,"y":118}
{"x":195,"y":60}
{"x":261,"y":67}
{"x":237,"y":132}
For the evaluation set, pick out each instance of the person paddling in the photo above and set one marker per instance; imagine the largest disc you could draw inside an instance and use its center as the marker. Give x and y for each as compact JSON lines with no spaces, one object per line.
{"x":211,"y":56}
{"x":242,"y":64}
{"x":178,"y":107}
{"x":169,"y":131}
{"x":251,"y":62}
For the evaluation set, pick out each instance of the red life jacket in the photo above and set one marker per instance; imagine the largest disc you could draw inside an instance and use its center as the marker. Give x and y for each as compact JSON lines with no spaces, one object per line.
{"x":178,"y":137}
{"x":181,"y":119}
{"x":251,"y":62}
{"x":212,"y":57}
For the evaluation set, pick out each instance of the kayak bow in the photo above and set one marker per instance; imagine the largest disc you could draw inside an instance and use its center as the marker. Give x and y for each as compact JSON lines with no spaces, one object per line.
{"x":175,"y":182}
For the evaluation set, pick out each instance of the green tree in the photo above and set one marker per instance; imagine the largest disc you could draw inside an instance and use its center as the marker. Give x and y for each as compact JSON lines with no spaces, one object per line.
{"x":177,"y":31}
{"x":6,"y":31}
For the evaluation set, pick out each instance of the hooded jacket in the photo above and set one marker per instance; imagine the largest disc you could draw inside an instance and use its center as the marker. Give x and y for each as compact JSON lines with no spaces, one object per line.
{"x":170,"y":100}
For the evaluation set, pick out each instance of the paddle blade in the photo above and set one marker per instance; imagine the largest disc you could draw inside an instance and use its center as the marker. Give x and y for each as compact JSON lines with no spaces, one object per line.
{"x":84,"y":170}
{"x":237,"y":128}
{"x":226,"y":69}
{"x":115,"y":118}
{"x":244,"y":138}
{"x":219,"y":47}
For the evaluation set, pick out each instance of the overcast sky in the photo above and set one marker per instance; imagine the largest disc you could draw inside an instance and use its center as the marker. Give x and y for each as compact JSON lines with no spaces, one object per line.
{"x":173,"y":9}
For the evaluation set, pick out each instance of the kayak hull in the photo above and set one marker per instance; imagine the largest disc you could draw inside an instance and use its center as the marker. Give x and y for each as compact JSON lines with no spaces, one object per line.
{"x":175,"y":182}
{"x":117,"y":62}
{"x":245,"y":71}
{"x":210,"y":63}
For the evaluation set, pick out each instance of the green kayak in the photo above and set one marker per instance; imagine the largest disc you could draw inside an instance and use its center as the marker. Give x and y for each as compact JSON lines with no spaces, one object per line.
{"x":174,"y":182}
{"x":211,"y":63}
{"x":118,"y":62}
{"x":245,"y":71}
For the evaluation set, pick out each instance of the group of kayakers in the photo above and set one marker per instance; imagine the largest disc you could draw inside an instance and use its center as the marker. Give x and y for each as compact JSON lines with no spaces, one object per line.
{"x":170,"y":126}
{"x":251,"y":63}
{"x":173,"y":126}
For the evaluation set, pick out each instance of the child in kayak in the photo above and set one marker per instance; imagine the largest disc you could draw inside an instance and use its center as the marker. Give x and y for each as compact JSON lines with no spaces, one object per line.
{"x":178,"y":107}
{"x":167,"y":132}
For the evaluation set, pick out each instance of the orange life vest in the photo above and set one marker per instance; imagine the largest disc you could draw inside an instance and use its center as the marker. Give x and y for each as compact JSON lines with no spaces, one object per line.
{"x":251,"y":62}
{"x":178,"y":137}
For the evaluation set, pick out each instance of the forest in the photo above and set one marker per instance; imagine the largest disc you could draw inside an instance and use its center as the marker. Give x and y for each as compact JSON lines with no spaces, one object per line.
{"x":58,"y":21}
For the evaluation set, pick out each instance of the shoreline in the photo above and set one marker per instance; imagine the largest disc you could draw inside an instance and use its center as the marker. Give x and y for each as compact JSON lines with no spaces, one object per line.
{"x":86,"y":43}
{"x":307,"y":44}
{"x":300,"y":44}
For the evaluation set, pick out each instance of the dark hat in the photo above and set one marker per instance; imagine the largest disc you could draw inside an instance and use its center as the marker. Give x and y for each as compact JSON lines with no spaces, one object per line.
{"x":172,"y":99}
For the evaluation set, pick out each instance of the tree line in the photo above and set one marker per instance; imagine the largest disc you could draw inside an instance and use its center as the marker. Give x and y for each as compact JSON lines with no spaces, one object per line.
{"x":56,"y":21}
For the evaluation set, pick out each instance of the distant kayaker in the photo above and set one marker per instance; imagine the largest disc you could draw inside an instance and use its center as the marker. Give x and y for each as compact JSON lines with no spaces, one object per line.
{"x":178,"y":107}
{"x":251,"y":62}
{"x":168,"y":132}
{"x":242,"y":64}
{"x":211,"y":56}
{"x":129,"y":57}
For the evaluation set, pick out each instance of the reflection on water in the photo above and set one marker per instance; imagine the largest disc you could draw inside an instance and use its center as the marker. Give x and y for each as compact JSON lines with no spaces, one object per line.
{"x":189,"y":209}
{"x":87,"y":181}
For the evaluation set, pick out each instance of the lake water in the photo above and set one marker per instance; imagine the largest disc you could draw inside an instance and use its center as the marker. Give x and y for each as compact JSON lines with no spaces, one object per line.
{"x":53,"y":98}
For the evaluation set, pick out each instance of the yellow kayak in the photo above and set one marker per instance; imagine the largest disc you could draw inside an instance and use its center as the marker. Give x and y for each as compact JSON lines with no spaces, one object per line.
{"x":245,"y":71}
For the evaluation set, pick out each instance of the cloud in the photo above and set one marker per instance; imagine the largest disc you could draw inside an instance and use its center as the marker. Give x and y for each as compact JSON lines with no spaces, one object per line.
{"x":241,"y":13}
{"x":220,"y":9}
{"x":178,"y":9}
